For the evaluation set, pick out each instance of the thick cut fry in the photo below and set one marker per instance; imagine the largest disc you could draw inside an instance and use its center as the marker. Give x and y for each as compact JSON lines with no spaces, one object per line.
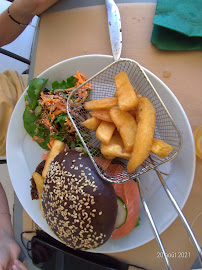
{"x":103,"y":103}
{"x":126,"y":126}
{"x":102,"y":115}
{"x":161,"y":148}
{"x":105,"y":131}
{"x":57,"y":147}
{"x":92,"y":123}
{"x":113,"y":151}
{"x":133,"y":112}
{"x":116,"y":139}
{"x":145,"y":133}
{"x":127,"y":97}
{"x":115,"y":148}
{"x":38,"y":179}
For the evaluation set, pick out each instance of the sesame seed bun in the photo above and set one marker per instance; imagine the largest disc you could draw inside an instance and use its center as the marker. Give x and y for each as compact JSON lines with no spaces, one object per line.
{"x":80,"y":207}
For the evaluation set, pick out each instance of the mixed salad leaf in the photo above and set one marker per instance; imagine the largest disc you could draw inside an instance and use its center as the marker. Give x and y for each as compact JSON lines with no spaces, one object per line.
{"x":70,"y":82}
{"x":45,"y":117}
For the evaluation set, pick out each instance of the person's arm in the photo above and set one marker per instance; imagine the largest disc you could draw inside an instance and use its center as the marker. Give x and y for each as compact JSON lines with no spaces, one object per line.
{"x":9,"y":249}
{"x":22,"y":12}
{"x":10,"y":30}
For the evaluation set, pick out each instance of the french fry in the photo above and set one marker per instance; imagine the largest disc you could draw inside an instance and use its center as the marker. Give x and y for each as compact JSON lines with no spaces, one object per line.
{"x":116,"y":139}
{"x":133,"y":112}
{"x":103,"y":103}
{"x":115,"y":148}
{"x":113,"y":151}
{"x":161,"y":148}
{"x":105,"y":131}
{"x":126,"y":126}
{"x":57,"y":147}
{"x":144,"y":135}
{"x":102,"y":115}
{"x":38,"y":179}
{"x":127,"y":97}
{"x":92,"y":123}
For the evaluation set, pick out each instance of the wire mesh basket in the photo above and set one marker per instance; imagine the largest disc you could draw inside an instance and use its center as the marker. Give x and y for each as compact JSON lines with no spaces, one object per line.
{"x":102,"y":85}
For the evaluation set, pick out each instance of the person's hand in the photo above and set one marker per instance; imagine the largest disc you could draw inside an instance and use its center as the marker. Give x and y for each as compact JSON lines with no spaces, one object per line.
{"x":9,"y":250}
{"x":19,"y":265}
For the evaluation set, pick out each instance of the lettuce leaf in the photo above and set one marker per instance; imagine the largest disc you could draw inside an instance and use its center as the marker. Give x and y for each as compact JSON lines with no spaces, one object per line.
{"x":32,"y":129}
{"x":29,"y":120}
{"x":35,"y":87}
{"x":70,"y":82}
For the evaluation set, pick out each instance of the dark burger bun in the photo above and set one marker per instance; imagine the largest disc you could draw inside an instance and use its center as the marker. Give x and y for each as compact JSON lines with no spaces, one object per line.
{"x":79,"y":206}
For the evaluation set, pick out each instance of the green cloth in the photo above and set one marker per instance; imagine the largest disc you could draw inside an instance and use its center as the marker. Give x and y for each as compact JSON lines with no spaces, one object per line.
{"x":178,"y":25}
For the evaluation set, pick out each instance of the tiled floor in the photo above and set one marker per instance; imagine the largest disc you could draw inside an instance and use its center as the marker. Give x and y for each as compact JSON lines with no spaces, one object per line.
{"x":21,"y":46}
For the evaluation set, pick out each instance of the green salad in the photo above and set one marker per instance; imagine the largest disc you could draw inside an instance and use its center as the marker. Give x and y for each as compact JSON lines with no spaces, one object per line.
{"x":45,"y":117}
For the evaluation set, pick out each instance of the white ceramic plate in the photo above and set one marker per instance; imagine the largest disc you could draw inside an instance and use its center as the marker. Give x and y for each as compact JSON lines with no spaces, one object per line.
{"x":23,"y":155}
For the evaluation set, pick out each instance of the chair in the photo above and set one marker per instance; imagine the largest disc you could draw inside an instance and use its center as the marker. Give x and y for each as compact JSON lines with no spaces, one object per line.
{"x":15,"y":56}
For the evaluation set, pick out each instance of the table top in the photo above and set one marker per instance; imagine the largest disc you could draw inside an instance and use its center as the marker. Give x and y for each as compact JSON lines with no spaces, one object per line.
{"x":185,"y":80}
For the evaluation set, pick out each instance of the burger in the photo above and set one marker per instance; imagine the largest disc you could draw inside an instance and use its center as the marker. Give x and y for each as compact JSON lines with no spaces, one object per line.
{"x":79,"y":207}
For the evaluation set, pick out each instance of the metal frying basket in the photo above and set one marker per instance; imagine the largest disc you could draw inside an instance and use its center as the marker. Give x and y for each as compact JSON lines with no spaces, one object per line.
{"x":103,"y":86}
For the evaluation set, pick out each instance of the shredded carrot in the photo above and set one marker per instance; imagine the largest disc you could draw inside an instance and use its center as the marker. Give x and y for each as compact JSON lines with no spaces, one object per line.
{"x":61,"y":106}
{"x":42,"y":95}
{"x":82,"y":94}
{"x":69,"y":89}
{"x":57,"y":112}
{"x":67,"y":121}
{"x":48,"y":100}
{"x":52,"y":116}
{"x":55,"y":104}
{"x":51,"y":141}
{"x":80,"y":78}
{"x":47,"y":123}
{"x":50,"y":144}
{"x":37,"y":139}
{"x":70,"y":125}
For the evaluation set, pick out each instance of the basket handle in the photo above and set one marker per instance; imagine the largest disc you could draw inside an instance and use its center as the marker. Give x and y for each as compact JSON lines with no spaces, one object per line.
{"x":182,"y":217}
{"x":158,"y":239}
